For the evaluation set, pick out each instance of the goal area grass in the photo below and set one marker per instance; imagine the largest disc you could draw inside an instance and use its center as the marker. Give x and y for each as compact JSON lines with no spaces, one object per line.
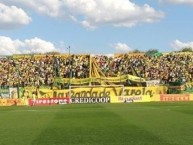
{"x":154,"y":123}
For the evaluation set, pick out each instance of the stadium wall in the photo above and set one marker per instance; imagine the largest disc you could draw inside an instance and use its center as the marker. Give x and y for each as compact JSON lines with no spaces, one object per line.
{"x":100,"y":94}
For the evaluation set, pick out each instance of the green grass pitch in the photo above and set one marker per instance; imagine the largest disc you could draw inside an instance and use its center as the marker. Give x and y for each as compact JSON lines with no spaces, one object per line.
{"x":98,"y":124}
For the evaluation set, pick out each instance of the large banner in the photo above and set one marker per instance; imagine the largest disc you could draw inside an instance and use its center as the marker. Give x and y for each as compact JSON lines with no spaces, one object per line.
{"x":45,"y":93}
{"x":98,"y":78}
{"x":112,"y":92}
{"x":4,"y":93}
{"x":152,"y":83}
{"x":145,"y":93}
{"x":13,"y":93}
{"x":8,"y":93}
{"x":27,"y":92}
{"x":188,"y":88}
{"x":116,"y":91}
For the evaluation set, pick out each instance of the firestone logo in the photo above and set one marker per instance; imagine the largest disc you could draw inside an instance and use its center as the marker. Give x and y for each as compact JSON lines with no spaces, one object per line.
{"x":47,"y":101}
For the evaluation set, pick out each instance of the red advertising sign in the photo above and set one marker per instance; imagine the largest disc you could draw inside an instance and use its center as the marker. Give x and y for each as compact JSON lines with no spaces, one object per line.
{"x":48,"y":101}
{"x":174,"y":97}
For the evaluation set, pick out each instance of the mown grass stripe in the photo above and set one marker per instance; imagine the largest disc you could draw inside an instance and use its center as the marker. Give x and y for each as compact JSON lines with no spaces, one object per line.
{"x":98,"y":124}
{"x":163,"y":121}
{"x":97,"y":127}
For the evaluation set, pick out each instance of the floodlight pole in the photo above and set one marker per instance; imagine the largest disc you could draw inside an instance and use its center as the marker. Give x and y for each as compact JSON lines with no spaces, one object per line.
{"x":70,"y":64}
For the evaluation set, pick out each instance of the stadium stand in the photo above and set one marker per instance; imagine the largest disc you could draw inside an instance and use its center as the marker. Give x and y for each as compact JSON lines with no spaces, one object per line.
{"x":56,"y":70}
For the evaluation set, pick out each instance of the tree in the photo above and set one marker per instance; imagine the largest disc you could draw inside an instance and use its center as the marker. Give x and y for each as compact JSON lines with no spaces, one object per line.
{"x":53,"y":53}
{"x":151,"y":52}
{"x":187,"y":49}
{"x":136,"y":51}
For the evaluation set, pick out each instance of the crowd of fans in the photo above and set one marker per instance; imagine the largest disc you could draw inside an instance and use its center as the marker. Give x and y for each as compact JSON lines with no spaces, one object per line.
{"x":32,"y":71}
{"x":113,"y":66}
{"x":167,"y":68}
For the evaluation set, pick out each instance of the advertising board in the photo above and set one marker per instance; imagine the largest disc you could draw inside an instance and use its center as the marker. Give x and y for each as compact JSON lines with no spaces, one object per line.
{"x":48,"y":101}
{"x":80,"y":100}
{"x":174,"y":97}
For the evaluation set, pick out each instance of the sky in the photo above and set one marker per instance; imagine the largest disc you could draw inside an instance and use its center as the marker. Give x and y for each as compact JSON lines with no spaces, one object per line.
{"x":94,"y":26}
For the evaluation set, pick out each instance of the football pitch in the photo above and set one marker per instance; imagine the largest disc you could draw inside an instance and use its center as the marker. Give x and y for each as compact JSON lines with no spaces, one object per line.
{"x":98,"y":124}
